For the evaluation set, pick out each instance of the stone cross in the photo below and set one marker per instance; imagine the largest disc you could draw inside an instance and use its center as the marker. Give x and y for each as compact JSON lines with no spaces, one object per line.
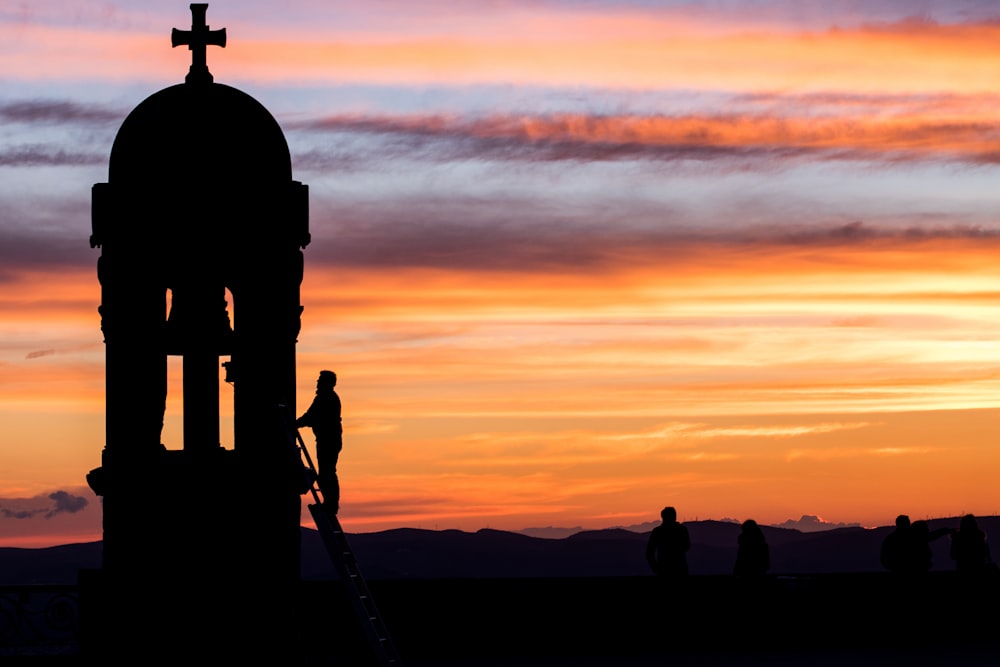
{"x":197,"y":39}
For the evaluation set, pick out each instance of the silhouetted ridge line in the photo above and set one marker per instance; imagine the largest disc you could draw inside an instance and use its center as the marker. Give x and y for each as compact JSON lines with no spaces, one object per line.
{"x":424,"y":553}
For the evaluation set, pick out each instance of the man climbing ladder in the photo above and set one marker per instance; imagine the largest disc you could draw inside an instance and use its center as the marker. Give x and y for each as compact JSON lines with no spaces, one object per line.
{"x":323,"y":417}
{"x":333,"y":534}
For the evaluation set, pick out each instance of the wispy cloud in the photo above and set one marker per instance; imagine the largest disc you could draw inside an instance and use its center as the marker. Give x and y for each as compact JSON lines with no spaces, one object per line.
{"x":51,"y":351}
{"x":483,"y":234}
{"x":47,"y":156}
{"x":58,"y":112}
{"x":24,"y":250}
{"x":678,"y":431}
{"x":828,"y":454}
{"x":811,"y":523}
{"x":45,"y":506}
{"x":57,"y":517}
{"x":736,"y":138}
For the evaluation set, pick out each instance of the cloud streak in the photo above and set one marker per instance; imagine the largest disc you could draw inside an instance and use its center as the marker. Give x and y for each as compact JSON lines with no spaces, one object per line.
{"x":31,"y":249}
{"x":810,"y":523}
{"x":695,"y":431}
{"x":45,"y":506}
{"x":47,"y":156}
{"x":855,"y":452}
{"x":500,"y":236}
{"x":739,"y":139}
{"x":58,"y":112}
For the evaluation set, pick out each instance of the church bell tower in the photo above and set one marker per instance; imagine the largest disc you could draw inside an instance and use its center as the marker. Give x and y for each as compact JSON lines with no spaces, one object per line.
{"x":201,"y":228}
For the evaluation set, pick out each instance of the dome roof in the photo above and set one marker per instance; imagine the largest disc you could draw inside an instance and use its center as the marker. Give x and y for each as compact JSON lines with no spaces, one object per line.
{"x":199,"y":133}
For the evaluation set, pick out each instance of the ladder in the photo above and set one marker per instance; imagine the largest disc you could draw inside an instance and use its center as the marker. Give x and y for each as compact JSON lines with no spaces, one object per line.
{"x":343,"y":559}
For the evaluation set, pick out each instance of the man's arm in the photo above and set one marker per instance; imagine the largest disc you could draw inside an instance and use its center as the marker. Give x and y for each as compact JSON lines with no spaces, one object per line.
{"x":939,"y":533}
{"x":307,"y":417}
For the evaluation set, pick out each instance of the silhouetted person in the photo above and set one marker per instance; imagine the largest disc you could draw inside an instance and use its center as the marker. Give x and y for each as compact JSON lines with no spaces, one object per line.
{"x":897,"y":547}
{"x":753,"y":557}
{"x":323,"y":417}
{"x":969,"y":548}
{"x":666,"y":551}
{"x":907,"y":549}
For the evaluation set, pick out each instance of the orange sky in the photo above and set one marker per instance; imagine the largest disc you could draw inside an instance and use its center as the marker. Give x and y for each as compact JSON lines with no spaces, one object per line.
{"x":569,"y":265}
{"x":854,"y":377}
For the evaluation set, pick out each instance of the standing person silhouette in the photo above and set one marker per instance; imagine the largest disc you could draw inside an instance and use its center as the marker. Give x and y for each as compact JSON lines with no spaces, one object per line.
{"x":969,"y":548}
{"x":323,"y":417}
{"x":753,"y":557}
{"x":898,"y":547}
{"x":907,"y":549}
{"x":666,"y":551}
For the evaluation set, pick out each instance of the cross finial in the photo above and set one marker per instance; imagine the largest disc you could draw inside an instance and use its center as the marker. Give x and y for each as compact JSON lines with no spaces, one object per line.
{"x":197,"y":39}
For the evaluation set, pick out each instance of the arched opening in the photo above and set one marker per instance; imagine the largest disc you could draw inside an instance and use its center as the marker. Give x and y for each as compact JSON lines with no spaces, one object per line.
{"x":173,"y":415}
{"x":227,"y":411}
{"x":173,"y":418}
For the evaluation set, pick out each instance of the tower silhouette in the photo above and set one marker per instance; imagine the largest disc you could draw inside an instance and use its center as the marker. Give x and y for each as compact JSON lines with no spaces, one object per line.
{"x":201,"y":542}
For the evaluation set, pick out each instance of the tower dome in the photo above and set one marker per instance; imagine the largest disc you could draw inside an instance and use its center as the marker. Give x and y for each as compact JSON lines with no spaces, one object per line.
{"x":199,"y":133}
{"x":200,"y":159}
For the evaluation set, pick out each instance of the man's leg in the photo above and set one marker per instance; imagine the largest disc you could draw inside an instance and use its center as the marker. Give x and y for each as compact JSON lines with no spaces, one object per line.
{"x":327,"y":454}
{"x":331,"y":494}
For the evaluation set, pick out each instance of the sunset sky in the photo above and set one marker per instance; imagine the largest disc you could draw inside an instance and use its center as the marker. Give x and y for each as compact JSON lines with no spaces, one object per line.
{"x":571,"y":261}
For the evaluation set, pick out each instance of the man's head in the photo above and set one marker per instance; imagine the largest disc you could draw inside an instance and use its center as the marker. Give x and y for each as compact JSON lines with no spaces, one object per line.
{"x":327,"y":380}
{"x":902,"y":521}
{"x":668,"y":514}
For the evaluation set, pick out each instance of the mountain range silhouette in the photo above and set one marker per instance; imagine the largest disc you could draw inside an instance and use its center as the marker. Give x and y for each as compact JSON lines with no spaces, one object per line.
{"x":410,"y":553}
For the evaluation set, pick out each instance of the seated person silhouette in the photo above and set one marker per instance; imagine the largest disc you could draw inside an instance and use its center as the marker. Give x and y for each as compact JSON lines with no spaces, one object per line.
{"x":666,"y":551}
{"x":323,"y":417}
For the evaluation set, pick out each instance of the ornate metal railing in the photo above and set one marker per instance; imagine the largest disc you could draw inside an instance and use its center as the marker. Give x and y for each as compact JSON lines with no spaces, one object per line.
{"x":39,"y":620}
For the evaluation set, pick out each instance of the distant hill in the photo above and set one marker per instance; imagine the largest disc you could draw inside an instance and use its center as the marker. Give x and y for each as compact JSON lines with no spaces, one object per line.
{"x":51,"y":565}
{"x":408,"y":553}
